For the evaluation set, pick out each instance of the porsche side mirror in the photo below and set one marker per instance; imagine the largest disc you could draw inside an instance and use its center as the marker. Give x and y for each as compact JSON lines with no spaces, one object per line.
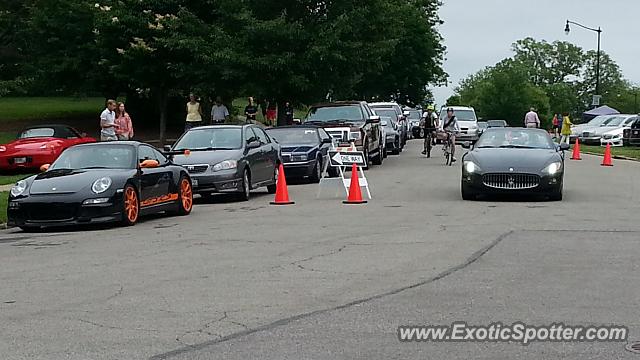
{"x":149,"y":164}
{"x":564,"y":147}
{"x":466,"y":145}
{"x":45,"y":167}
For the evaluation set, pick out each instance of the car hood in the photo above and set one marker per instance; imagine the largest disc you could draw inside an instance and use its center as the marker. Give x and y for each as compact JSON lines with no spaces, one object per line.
{"x":520,"y":160}
{"x":30,"y":144}
{"x":66,"y":181}
{"x":297,"y":148}
{"x":599,"y":131}
{"x":467,"y":124}
{"x":616,"y":131}
{"x":354,"y":124}
{"x":211,"y":157}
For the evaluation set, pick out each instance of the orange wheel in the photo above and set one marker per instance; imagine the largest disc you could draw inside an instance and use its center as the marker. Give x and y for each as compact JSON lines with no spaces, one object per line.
{"x":131,"y":205}
{"x":186,"y":196}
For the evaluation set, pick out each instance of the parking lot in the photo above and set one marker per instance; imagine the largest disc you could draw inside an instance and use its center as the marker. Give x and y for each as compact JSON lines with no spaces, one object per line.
{"x":321,"y":280}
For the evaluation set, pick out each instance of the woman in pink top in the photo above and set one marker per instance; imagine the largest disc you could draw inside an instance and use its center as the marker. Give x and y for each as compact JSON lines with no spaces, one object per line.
{"x":124,"y":129}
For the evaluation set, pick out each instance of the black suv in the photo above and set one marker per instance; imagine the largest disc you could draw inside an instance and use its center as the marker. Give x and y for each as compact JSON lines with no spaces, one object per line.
{"x":348,"y":121}
{"x":632,"y":135}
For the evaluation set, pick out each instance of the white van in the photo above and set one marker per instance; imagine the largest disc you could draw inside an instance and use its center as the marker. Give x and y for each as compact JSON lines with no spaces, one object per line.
{"x":467,"y":122}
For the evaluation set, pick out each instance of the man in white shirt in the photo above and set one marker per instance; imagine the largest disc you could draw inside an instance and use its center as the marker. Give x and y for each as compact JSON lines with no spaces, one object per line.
{"x":219,"y":112}
{"x":108,"y":122}
{"x":531,"y":120}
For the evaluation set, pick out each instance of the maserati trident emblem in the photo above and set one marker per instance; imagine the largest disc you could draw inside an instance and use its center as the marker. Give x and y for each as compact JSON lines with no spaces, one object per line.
{"x":511,"y":182}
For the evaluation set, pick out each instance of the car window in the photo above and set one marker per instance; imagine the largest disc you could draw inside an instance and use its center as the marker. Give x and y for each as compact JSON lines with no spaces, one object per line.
{"x":461,"y":115}
{"x":261,"y":135}
{"x":345,"y":113}
{"x":160,"y":157}
{"x":111,"y":156}
{"x":36,"y":133}
{"x":210,"y":138}
{"x":324,"y":134}
{"x":515,"y":138}
{"x":249,"y":135}
{"x":147,"y":153}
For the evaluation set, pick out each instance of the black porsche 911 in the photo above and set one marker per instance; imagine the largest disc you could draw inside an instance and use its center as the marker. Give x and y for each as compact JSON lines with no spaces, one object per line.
{"x":305,"y":150}
{"x":99,"y":183}
{"x":513,"y":161}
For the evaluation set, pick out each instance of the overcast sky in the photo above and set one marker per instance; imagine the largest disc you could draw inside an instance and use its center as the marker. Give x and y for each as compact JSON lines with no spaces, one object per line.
{"x":479,"y":33}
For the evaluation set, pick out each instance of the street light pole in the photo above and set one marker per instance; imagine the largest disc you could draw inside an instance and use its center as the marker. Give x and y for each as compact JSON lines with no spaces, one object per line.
{"x":567,"y":30}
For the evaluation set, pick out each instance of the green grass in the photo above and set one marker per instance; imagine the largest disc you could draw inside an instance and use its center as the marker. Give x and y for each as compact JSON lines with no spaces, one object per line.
{"x":30,"y":108}
{"x":7,"y":137}
{"x":627,"y":151}
{"x":12,"y":179}
{"x":4,"y":199}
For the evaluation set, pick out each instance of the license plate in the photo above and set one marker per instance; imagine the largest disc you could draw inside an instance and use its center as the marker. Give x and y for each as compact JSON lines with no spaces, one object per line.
{"x":21,"y":160}
{"x":194,"y":182}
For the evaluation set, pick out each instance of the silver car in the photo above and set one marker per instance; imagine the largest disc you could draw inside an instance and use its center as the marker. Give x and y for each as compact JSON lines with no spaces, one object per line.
{"x":592,"y":136}
{"x":578,"y":130}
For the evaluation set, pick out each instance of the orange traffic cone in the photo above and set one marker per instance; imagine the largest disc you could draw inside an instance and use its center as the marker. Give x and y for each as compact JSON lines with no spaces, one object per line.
{"x":355,"y":195}
{"x":282,"y":194}
{"x":576,"y":150}
{"x":607,"y":156}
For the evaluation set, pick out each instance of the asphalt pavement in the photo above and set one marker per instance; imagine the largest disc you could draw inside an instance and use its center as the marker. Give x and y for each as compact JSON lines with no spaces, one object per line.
{"x":322,"y":280}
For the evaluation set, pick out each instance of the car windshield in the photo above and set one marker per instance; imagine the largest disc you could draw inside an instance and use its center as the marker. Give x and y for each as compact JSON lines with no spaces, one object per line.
{"x":515,"y":138}
{"x":614,"y":121}
{"x":599,"y":120}
{"x":96,"y":157}
{"x":210,"y":138}
{"x":388,"y":112}
{"x":415,"y":115}
{"x":292,"y":136}
{"x":36,"y":133}
{"x":461,"y":115}
{"x":482,"y":125}
{"x":496,"y":123}
{"x":333,"y":113}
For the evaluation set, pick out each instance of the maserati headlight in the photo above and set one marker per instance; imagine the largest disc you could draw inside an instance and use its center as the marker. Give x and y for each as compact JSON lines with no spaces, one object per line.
{"x":470,"y":167}
{"x":101,"y":185}
{"x":553,"y":168}
{"x":225,"y":165}
{"x":19,"y":188}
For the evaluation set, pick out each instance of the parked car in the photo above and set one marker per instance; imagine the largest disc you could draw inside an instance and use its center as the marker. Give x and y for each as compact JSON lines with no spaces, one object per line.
{"x":99,"y":183}
{"x":615,"y":137}
{"x":467,"y":122}
{"x":350,"y":121}
{"x":578,"y":130}
{"x":401,"y":115}
{"x":513,"y":161}
{"x":392,"y":134}
{"x":414,"y":123}
{"x":39,"y":145}
{"x":228,"y":159}
{"x":634,"y":136}
{"x":496,"y":124}
{"x":627,"y":132}
{"x":395,"y":123}
{"x":592,"y":136}
{"x":304,"y":150}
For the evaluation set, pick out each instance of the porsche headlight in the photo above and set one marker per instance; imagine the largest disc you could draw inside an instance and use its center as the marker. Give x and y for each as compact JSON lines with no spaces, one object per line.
{"x":553,"y":168}
{"x":225,"y":165}
{"x":101,"y":185}
{"x":470,"y":167}
{"x":19,"y":188}
{"x":3,"y":148}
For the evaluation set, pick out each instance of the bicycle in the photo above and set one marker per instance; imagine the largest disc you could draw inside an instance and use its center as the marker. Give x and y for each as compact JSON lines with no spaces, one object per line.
{"x":446,"y":149}
{"x":428,"y":142}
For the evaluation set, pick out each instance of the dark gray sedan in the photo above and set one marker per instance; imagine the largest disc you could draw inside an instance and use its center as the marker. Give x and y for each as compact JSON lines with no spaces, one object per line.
{"x":228,"y":159}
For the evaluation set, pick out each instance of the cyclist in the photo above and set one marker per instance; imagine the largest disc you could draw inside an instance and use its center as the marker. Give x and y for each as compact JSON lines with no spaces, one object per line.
{"x":430,"y":123}
{"x":450,"y":127}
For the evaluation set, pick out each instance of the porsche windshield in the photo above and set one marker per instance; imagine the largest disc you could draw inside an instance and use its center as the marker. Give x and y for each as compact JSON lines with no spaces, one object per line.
{"x":514,"y":138}
{"x":292,"y":136}
{"x":96,"y":157}
{"x":210,"y":138}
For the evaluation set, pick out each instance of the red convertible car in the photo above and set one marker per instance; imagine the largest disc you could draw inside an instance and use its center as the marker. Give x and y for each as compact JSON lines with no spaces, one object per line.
{"x":39,"y":145}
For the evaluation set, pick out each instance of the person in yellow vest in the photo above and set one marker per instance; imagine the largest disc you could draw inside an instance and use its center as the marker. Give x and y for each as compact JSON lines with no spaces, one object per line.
{"x":566,"y":128}
{"x":194,"y":113}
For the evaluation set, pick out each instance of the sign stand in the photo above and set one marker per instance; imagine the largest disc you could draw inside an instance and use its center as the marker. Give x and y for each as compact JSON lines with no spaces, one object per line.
{"x":342,"y":159}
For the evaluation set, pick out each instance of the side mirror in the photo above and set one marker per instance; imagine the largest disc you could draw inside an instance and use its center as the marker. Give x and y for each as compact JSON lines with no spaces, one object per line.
{"x":45,"y":167}
{"x":406,"y":113}
{"x":297,"y":121}
{"x":149,"y":164}
{"x":374,"y":119}
{"x":564,"y":147}
{"x":253,"y":144}
{"x":84,"y":135}
{"x":466,"y":145}
{"x":384,"y":123}
{"x":167,"y":148}
{"x":327,"y":140}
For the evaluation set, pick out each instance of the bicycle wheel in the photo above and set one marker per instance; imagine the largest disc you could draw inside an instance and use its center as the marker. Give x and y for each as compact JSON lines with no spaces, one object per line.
{"x":428,"y":140}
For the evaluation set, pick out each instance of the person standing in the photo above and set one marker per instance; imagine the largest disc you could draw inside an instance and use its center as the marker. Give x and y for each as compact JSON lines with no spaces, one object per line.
{"x":288,"y":113}
{"x":272,"y":113}
{"x":566,"y":128}
{"x":194,"y":113}
{"x":108,"y":122}
{"x":531,"y":120}
{"x":124,"y":130}
{"x":219,"y":112}
{"x":557,"y":125}
{"x":251,"y":111}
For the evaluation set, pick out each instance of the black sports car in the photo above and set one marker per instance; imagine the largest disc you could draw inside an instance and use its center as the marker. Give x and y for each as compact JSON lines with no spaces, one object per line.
{"x":228,"y":159}
{"x":100,"y":182}
{"x":305,"y":150}
{"x":513,"y":161}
